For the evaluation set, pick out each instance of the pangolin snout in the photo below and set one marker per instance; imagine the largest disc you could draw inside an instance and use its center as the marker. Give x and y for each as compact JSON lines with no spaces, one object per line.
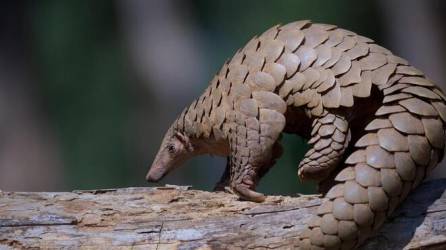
{"x":151,"y":178}
{"x":155,"y":174}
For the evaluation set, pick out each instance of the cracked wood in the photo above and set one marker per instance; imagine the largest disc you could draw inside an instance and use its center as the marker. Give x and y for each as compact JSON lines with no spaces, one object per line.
{"x":174,"y":217}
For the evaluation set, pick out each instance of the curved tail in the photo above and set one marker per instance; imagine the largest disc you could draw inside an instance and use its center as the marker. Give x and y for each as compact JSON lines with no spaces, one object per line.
{"x":399,"y":148}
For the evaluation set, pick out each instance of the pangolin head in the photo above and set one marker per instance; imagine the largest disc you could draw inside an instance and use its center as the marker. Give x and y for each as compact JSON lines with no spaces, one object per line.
{"x":175,"y":149}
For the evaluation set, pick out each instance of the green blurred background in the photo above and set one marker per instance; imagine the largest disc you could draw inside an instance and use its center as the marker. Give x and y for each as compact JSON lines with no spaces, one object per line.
{"x":87,"y":88}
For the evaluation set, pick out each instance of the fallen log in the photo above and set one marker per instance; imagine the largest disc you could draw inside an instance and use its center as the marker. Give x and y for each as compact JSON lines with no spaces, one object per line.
{"x":174,"y":217}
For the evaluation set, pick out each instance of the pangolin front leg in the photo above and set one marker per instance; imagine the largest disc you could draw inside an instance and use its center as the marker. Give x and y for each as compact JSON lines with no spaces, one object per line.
{"x":253,"y":148}
{"x":330,"y":136}
{"x":226,"y":176}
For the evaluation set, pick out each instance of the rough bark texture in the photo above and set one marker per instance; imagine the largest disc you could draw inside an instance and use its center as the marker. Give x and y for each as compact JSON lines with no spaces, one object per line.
{"x":176,"y":218}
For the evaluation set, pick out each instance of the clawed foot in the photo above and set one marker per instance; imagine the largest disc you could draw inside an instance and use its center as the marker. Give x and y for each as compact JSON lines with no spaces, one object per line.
{"x":245,"y":191}
{"x":247,"y":194}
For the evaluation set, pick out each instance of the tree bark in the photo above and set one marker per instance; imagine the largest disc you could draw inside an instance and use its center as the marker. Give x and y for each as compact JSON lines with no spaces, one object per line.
{"x":174,"y":217}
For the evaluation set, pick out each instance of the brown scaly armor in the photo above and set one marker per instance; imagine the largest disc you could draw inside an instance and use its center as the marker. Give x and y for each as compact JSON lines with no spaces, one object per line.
{"x":376,"y":125}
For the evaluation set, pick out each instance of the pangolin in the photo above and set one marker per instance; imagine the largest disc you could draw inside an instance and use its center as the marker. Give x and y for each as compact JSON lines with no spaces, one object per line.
{"x":375,"y":124}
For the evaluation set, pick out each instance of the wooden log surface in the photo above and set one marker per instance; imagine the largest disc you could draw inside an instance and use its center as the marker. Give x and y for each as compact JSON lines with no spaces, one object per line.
{"x":174,"y":217}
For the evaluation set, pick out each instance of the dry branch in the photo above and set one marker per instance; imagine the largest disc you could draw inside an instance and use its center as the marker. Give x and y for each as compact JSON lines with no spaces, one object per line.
{"x":174,"y":217}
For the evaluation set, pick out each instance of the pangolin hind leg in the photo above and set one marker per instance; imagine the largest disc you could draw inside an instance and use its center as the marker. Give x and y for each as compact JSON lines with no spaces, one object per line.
{"x":391,"y":159}
{"x":329,"y":139}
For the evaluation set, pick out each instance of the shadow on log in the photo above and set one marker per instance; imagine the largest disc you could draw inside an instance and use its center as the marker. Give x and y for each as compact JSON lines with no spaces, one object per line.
{"x":173,"y":217}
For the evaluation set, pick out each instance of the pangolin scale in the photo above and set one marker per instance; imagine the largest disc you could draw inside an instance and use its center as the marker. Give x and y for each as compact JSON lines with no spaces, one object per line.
{"x":376,"y":125}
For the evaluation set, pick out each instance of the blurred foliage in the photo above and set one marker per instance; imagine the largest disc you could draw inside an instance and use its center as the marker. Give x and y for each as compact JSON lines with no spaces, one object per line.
{"x":81,"y":70}
{"x":81,"y":66}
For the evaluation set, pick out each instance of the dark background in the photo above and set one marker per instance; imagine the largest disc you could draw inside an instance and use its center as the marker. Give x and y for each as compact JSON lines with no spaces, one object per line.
{"x":88,"y":88}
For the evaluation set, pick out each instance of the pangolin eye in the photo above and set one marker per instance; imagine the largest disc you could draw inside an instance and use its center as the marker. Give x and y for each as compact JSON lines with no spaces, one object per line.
{"x":171,"y":148}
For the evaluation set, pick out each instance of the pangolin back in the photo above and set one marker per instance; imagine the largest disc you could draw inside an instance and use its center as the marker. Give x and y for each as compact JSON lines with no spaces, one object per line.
{"x":325,"y":71}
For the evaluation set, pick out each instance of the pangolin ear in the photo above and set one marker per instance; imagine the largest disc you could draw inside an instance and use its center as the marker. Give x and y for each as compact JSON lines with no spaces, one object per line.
{"x":185,"y":140}
{"x":181,"y":137}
